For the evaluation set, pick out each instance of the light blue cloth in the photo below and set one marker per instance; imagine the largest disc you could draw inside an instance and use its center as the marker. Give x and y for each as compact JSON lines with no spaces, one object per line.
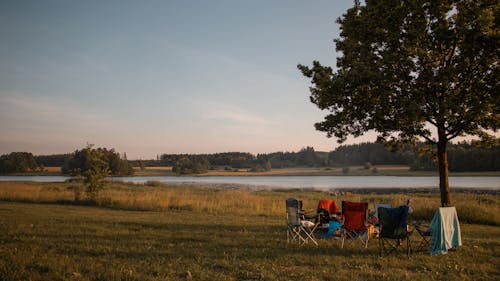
{"x":445,"y":231}
{"x":333,"y":225}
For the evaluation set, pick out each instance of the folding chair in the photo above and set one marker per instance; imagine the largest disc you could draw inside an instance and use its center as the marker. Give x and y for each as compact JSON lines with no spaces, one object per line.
{"x":425,"y":236}
{"x":374,"y":218}
{"x":328,"y":205}
{"x":355,"y":222}
{"x":393,"y":230}
{"x":380,"y":205}
{"x":444,"y":231}
{"x":298,"y":229}
{"x":326,"y":209}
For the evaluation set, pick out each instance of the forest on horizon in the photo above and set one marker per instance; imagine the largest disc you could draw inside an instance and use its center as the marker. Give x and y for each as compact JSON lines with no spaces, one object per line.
{"x":463,"y":157}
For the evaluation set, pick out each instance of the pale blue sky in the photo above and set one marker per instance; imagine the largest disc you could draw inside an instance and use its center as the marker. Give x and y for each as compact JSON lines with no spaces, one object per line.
{"x":153,"y":77}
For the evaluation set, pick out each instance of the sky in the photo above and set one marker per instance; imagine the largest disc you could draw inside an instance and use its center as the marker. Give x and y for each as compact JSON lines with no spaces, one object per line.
{"x":153,"y":77}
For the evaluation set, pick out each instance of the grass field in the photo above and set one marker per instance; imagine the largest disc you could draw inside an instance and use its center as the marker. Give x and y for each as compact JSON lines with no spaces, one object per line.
{"x":187,"y":233}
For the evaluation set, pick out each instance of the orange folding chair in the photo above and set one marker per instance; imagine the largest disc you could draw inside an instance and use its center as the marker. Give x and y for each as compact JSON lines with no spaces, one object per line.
{"x":328,"y":205}
{"x":325,"y":210}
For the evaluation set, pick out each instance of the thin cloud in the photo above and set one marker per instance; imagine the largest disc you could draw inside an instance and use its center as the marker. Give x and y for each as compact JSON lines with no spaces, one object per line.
{"x":233,"y":114}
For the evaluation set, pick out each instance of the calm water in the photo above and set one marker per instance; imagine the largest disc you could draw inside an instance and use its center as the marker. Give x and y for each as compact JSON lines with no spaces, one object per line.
{"x":318,"y":182}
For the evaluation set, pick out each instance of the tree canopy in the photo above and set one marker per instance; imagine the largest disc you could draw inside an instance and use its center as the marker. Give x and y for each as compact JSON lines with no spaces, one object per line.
{"x":78,"y":162}
{"x":17,"y":162}
{"x":413,"y":69}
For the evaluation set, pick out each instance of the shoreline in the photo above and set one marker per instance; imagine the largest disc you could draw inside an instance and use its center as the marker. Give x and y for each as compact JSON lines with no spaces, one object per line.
{"x":381,"y":170}
{"x":361,"y":190}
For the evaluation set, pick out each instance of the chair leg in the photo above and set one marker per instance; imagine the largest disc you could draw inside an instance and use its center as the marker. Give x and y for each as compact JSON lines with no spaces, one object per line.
{"x":423,"y":244}
{"x":344,"y":237}
{"x":308,"y":233}
{"x":293,"y":234}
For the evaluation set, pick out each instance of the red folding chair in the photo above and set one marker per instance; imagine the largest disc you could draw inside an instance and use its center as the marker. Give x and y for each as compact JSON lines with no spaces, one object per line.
{"x":355,"y":227}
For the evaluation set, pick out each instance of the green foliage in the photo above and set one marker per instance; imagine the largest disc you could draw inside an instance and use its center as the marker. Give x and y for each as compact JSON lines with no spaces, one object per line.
{"x":17,"y":162}
{"x":191,"y":165}
{"x":307,"y":157}
{"x":77,"y":164}
{"x":408,"y":65}
{"x":279,"y":159}
{"x":233,"y":159}
{"x":360,"y":154}
{"x":464,"y":156}
{"x":54,"y":160}
{"x":95,"y":173}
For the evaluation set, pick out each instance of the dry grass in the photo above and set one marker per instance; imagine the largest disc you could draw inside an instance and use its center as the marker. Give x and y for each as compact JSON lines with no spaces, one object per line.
{"x":154,"y":196}
{"x":88,"y":243}
{"x":138,"y":197}
{"x":36,"y":192}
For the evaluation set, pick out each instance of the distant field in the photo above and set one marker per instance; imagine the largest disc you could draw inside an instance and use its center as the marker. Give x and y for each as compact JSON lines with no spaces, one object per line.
{"x":53,"y":169}
{"x":165,"y":232}
{"x":153,"y":171}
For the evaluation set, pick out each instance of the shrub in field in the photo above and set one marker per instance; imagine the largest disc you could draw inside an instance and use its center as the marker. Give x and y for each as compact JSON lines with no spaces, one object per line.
{"x":96,"y":172}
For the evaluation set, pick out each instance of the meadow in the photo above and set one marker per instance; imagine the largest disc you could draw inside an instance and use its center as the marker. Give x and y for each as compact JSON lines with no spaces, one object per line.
{"x":165,"y":232}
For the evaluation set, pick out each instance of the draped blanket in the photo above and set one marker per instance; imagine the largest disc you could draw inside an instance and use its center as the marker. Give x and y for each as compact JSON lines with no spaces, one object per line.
{"x":445,"y":231}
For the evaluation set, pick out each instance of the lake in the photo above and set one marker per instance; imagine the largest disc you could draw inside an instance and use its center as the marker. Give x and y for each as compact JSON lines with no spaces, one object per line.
{"x":316,"y":182}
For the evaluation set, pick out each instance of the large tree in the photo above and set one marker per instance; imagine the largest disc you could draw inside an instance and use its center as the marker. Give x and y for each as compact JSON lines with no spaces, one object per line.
{"x":413,"y":69}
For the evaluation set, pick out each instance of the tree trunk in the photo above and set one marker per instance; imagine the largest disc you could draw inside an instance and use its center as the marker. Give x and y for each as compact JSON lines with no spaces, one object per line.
{"x":444,"y":186}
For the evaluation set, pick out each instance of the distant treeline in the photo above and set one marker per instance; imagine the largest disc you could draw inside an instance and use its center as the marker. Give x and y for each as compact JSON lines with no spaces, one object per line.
{"x":71,"y":163}
{"x":305,"y":157}
{"x":463,"y":157}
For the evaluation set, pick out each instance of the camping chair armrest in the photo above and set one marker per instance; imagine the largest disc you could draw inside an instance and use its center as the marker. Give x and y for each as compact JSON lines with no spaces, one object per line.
{"x":309,"y":216}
